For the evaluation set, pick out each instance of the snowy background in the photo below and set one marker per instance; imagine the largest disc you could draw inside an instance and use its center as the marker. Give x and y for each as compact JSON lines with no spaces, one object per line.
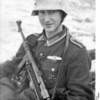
{"x":81,"y":23}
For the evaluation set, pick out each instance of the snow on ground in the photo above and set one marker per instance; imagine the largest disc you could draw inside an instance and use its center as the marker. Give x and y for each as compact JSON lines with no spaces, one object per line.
{"x":81,"y":23}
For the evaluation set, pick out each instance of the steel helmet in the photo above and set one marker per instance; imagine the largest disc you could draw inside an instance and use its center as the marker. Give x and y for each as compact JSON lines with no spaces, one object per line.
{"x":50,"y":5}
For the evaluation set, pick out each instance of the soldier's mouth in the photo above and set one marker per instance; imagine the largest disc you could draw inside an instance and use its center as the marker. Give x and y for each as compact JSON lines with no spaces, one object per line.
{"x":48,"y":25}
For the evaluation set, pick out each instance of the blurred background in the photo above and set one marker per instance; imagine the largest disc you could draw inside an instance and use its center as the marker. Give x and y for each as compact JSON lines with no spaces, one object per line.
{"x":80,"y":21}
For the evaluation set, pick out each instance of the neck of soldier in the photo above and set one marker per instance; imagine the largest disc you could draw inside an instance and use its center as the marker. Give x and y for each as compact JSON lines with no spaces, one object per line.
{"x":50,"y":35}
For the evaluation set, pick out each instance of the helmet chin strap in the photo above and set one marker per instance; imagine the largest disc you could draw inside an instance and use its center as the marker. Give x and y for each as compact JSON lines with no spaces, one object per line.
{"x":61,"y":21}
{"x":58,"y":25}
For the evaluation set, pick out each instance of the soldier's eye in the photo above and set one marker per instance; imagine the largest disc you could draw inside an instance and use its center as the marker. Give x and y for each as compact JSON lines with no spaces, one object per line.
{"x":52,"y":12}
{"x":41,"y":12}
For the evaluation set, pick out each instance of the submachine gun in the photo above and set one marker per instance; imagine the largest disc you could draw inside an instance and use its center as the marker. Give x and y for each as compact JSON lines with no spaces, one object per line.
{"x":37,"y":84}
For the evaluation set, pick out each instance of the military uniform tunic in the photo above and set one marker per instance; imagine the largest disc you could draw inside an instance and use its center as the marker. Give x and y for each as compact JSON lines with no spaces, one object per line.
{"x":76,"y":64}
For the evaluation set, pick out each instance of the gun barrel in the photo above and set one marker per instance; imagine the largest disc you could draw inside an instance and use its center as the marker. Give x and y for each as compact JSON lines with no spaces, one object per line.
{"x":20,"y":29}
{"x":34,"y":71}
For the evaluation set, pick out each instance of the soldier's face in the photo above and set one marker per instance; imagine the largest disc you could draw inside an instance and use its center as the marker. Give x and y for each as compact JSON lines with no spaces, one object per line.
{"x":50,"y":20}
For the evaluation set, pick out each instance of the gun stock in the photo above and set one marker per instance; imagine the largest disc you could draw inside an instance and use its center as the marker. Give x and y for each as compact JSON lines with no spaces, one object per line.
{"x":33,"y":71}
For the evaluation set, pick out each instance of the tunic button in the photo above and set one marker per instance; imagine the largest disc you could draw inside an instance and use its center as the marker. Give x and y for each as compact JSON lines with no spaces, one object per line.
{"x":53,"y":69}
{"x":41,"y":54}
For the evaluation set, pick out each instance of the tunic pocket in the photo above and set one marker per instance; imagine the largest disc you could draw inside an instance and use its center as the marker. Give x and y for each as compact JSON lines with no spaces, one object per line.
{"x":50,"y":65}
{"x":50,"y":70}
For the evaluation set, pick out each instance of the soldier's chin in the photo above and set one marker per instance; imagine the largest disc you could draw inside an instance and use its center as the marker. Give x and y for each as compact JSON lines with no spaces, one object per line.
{"x":49,"y":31}
{"x":49,"y":28}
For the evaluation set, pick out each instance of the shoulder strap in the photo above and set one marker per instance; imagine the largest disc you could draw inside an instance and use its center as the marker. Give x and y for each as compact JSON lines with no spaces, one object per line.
{"x":67,"y":42}
{"x":59,"y":71}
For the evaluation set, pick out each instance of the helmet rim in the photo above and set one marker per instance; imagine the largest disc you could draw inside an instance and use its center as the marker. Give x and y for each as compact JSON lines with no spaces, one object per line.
{"x":50,"y":5}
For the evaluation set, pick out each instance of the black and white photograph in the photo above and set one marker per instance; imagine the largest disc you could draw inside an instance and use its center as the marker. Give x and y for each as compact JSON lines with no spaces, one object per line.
{"x":48,"y":50}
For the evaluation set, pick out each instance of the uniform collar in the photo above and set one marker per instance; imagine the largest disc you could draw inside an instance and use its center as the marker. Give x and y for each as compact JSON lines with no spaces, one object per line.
{"x":55,"y":39}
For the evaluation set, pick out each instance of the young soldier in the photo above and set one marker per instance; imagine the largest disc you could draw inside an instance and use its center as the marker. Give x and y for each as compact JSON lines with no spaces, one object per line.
{"x":63,"y":61}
